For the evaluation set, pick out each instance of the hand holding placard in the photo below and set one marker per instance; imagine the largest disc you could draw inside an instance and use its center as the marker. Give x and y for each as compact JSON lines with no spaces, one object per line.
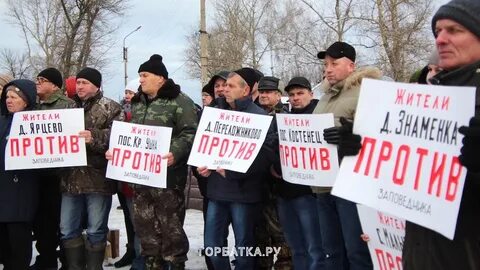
{"x":471,"y":143}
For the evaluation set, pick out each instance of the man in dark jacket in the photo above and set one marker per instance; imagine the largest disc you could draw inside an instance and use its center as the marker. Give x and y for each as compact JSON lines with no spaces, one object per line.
{"x":296,"y":203}
{"x":159,"y":213}
{"x":456,"y":27}
{"x":234,"y":197}
{"x":86,"y":193}
{"x":269,"y":231}
{"x":18,"y":188}
{"x":47,"y":222}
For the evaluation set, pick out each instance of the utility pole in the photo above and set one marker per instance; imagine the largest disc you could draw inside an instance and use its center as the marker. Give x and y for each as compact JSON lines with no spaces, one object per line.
{"x":203,"y":44}
{"x":125,"y":54}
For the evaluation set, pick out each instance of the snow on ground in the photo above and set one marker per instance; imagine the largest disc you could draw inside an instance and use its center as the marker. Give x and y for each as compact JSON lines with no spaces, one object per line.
{"x":193,"y":227}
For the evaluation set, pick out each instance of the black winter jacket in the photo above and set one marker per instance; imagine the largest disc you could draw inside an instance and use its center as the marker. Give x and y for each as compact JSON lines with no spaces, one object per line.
{"x":246,"y":187}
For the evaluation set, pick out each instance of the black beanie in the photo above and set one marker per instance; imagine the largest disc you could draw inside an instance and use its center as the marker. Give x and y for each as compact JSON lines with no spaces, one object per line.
{"x":464,"y":12}
{"x":154,"y":65}
{"x":249,"y":75}
{"x":53,"y":75}
{"x":92,"y":75}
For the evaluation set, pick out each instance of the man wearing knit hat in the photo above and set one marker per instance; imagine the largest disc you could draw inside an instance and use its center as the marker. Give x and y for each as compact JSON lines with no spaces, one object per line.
{"x":159,"y":212}
{"x":456,"y":27}
{"x":46,"y":225}
{"x":235,"y":197}
{"x":86,"y":193}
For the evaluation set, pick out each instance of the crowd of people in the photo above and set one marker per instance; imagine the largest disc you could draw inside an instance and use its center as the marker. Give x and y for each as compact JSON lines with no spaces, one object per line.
{"x":69,"y":207}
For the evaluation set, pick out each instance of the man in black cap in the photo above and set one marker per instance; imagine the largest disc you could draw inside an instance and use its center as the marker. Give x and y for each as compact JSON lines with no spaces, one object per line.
{"x":86,"y":193}
{"x":339,"y":221}
{"x":269,"y":231}
{"x":234,"y":197}
{"x":456,"y":27}
{"x":270,"y":95}
{"x":47,"y":221}
{"x":296,"y":204}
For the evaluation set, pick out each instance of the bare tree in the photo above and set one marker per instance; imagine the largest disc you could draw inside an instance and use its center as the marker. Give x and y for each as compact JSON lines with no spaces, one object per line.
{"x":399,"y":28}
{"x":67,"y":34}
{"x":339,"y":20}
{"x":15,"y":64}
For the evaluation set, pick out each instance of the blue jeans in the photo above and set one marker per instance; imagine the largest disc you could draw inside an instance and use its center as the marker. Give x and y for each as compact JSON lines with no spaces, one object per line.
{"x":243,"y":217}
{"x":92,"y":206}
{"x":299,"y":220}
{"x":341,"y":230}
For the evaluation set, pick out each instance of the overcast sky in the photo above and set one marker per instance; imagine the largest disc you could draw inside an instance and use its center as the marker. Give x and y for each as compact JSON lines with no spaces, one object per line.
{"x":165,"y":25}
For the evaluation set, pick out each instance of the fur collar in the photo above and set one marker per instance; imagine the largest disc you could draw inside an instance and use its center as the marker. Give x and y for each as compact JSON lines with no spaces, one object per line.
{"x":352,"y":81}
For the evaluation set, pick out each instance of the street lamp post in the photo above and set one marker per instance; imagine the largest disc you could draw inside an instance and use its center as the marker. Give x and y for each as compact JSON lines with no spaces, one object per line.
{"x":125,"y":53}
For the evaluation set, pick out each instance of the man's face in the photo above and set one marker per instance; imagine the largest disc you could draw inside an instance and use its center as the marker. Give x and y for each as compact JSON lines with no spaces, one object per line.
{"x":337,"y":70}
{"x":219,"y":87}
{"x":85,"y":89}
{"x":299,"y":97}
{"x":269,"y":98}
{"x":128,"y":95}
{"x":44,"y":87}
{"x":456,"y":45}
{"x":150,"y":83}
{"x":235,"y":89}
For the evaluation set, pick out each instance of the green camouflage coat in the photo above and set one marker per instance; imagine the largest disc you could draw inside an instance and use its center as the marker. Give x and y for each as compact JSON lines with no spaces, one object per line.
{"x":170,"y":108}
{"x":100,"y":112}
{"x":56,"y":101}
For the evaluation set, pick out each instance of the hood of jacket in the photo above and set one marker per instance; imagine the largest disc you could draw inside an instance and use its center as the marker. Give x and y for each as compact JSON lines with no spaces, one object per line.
{"x":27,"y":87}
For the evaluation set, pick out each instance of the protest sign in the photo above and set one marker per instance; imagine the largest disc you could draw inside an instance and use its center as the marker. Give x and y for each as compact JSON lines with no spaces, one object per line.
{"x":408,"y":165}
{"x":137,"y":154}
{"x":304,"y":155}
{"x":387,"y":235}
{"x":46,"y":139}
{"x":229,"y":140}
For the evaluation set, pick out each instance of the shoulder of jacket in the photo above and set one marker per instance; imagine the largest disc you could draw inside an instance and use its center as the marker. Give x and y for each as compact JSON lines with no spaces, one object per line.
{"x":355,"y":79}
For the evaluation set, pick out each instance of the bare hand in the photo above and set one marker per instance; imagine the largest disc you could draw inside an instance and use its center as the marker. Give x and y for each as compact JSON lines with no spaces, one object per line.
{"x":170,"y":159}
{"x":109,"y":155}
{"x":221,"y":172}
{"x":204,"y":171}
{"x":87,"y":134}
{"x":365,"y":237}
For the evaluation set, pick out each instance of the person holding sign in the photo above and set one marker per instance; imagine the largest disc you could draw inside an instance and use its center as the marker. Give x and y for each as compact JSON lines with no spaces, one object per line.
{"x":456,"y":27}
{"x":269,"y":231}
{"x":86,"y":193}
{"x":159,"y":212}
{"x":18,"y":188}
{"x":47,"y":222}
{"x":234,"y":197}
{"x":296,"y":203}
{"x":339,"y":221}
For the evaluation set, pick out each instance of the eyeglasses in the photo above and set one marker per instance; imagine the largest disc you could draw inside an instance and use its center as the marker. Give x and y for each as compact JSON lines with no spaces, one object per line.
{"x":41,"y":80}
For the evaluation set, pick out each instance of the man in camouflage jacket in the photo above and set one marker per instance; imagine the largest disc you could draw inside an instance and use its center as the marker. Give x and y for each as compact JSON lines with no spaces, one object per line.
{"x":86,"y":193}
{"x":159,"y":212}
{"x":46,"y":227}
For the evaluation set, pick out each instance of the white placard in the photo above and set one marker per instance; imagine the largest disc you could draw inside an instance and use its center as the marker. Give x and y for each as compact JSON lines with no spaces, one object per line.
{"x":46,"y":139}
{"x":408,"y":165}
{"x":137,"y":154}
{"x":387,"y":236}
{"x":228,"y":139}
{"x":305,"y":156}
